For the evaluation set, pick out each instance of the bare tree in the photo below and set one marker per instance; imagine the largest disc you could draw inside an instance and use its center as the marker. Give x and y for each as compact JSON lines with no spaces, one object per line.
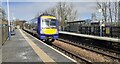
{"x":103,"y":6}
{"x":104,"y":10}
{"x":109,"y":11}
{"x":50,"y":11}
{"x":93,"y":17}
{"x":71,"y":13}
{"x":64,"y":12}
{"x":115,"y":10}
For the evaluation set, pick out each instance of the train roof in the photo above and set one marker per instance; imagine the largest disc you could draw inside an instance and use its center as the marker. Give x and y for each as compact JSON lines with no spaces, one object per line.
{"x":35,"y":18}
{"x":46,"y":15}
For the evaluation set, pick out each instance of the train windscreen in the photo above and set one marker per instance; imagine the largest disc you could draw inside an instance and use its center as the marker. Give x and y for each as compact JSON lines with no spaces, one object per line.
{"x":49,"y":23}
{"x":53,"y":22}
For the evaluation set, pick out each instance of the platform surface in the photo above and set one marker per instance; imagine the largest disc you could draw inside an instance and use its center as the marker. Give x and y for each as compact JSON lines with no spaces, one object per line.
{"x":92,"y":36}
{"x":22,"y":47}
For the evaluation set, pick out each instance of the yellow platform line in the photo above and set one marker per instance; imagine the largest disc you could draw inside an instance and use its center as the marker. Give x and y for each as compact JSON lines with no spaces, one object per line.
{"x":38,"y":51}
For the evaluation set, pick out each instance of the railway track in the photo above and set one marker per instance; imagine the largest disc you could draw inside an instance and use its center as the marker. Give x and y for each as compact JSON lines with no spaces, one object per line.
{"x":78,"y":58}
{"x":112,"y":54}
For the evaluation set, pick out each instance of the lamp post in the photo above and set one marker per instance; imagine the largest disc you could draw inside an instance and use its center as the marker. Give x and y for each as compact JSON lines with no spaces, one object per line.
{"x":100,"y":10}
{"x":9,"y":33}
{"x":14,"y":20}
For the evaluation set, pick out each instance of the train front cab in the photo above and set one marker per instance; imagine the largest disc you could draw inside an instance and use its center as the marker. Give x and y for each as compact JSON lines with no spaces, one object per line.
{"x":48,"y":28}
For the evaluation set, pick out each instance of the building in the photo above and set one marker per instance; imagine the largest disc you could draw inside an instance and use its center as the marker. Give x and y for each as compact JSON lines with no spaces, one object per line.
{"x":19,"y":23}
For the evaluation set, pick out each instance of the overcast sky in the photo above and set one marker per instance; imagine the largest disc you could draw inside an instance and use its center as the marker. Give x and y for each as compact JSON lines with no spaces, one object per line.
{"x":27,"y":10}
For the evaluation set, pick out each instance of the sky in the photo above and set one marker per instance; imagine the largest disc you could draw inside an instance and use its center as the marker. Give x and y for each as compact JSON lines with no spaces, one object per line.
{"x":28,"y":10}
{"x":58,"y":0}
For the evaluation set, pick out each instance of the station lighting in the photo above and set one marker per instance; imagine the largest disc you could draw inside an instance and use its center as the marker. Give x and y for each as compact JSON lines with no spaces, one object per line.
{"x":9,"y":33}
{"x":100,"y":10}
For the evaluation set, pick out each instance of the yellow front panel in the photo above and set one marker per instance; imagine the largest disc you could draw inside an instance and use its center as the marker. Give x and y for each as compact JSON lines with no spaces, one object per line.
{"x":49,"y":31}
{"x":44,"y":17}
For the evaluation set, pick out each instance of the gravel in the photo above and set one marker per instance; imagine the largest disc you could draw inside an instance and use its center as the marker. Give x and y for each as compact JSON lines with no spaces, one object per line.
{"x":84,"y":53}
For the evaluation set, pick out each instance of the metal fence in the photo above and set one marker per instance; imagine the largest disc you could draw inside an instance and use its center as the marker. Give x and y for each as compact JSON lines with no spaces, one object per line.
{"x":0,"y":36}
{"x":107,"y":31}
{"x":4,"y":31}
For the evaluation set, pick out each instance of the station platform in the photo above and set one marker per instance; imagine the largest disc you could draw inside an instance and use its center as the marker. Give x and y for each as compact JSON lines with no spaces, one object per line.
{"x":91,"y":36}
{"x":22,"y":47}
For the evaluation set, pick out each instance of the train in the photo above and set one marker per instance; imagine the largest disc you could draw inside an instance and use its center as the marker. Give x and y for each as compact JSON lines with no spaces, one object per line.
{"x":44,"y":26}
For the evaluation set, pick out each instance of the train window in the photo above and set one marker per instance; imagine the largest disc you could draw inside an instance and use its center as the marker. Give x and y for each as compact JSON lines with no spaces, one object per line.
{"x":48,"y":22}
{"x":45,"y":23}
{"x":53,"y":22}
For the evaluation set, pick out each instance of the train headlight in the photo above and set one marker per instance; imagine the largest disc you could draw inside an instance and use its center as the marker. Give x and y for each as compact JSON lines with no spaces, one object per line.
{"x":56,"y":32}
{"x":41,"y":32}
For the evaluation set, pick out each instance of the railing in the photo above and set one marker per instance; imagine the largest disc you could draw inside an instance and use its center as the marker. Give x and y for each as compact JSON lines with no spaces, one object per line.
{"x":107,"y":31}
{"x":4,"y":33}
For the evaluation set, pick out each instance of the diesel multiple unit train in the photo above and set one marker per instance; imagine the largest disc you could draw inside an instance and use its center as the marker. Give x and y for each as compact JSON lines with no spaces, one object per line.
{"x":45,"y":27}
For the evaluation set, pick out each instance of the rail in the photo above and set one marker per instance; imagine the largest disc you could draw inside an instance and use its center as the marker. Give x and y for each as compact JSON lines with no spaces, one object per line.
{"x":93,"y":43}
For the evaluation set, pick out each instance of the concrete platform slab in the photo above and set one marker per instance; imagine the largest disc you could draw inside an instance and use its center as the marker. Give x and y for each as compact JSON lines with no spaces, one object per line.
{"x":18,"y":50}
{"x":25,"y":48}
{"x":53,"y":54}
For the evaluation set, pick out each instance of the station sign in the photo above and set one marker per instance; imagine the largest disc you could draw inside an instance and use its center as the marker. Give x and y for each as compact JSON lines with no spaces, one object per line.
{"x":107,"y":29}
